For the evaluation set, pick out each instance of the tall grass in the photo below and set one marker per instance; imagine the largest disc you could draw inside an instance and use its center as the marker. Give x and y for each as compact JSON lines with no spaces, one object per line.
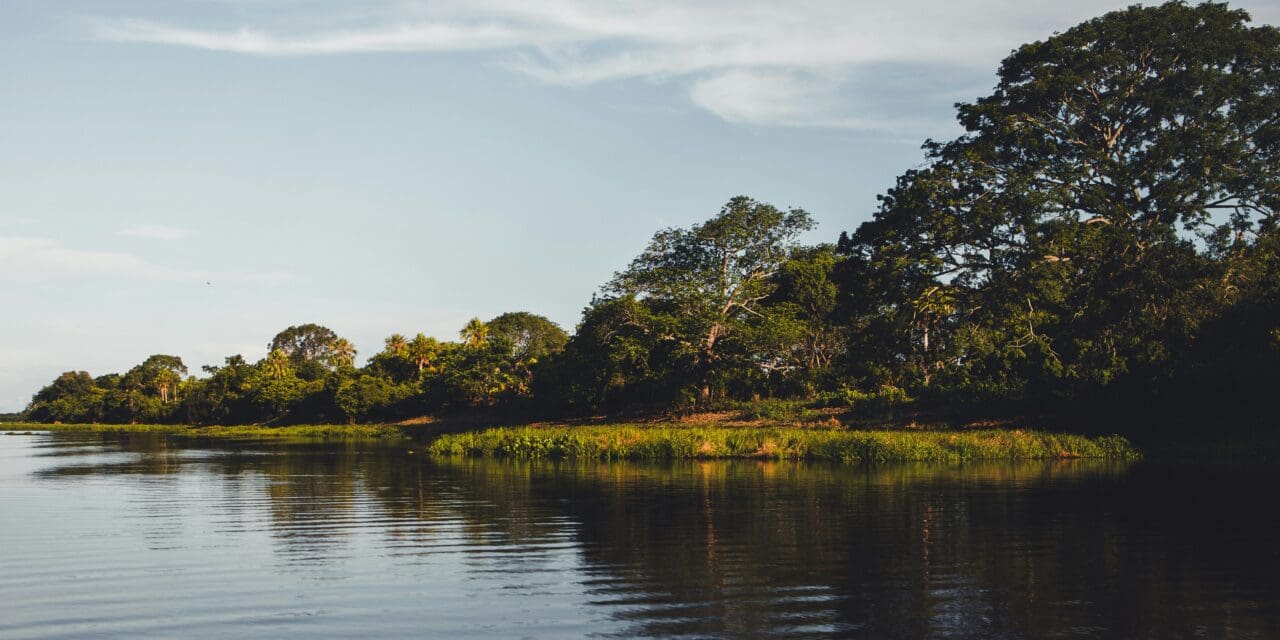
{"x":664,"y":443}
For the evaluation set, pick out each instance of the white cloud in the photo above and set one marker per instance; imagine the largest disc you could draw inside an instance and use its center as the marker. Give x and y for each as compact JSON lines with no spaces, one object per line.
{"x":154,"y":232}
{"x":748,"y":62}
{"x":776,"y":98}
{"x":25,"y":259}
{"x":420,"y":37}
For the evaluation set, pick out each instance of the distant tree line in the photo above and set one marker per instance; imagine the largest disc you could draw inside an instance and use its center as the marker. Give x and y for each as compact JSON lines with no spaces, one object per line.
{"x":1102,"y":235}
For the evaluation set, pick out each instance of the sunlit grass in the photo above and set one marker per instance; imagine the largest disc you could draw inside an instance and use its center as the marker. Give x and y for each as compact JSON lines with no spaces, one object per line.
{"x":636,"y":442}
{"x":658,"y":442}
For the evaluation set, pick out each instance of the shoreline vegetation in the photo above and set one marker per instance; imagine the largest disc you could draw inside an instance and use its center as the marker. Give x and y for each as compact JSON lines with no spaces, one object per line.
{"x":668,"y":441}
{"x":628,"y":442}
{"x":252,"y":431}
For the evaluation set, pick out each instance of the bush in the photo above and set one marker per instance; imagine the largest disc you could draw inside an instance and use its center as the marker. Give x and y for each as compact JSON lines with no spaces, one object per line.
{"x":883,"y":400}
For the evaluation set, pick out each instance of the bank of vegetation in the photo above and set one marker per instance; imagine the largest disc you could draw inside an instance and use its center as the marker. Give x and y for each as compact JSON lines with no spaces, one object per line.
{"x":1101,"y":241}
{"x":294,"y":431}
{"x":668,"y":441}
{"x":646,"y":442}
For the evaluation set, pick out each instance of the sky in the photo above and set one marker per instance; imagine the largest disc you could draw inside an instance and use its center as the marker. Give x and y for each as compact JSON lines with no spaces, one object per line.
{"x":191,"y":176}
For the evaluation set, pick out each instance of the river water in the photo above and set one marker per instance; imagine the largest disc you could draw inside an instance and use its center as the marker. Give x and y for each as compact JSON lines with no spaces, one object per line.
{"x":133,"y":536}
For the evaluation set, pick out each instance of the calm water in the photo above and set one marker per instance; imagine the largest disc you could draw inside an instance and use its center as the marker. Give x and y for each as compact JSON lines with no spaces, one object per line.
{"x":111,"y":536}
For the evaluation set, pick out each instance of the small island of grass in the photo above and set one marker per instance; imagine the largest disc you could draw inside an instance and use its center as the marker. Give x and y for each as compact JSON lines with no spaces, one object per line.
{"x":674,"y":441}
{"x":642,"y":442}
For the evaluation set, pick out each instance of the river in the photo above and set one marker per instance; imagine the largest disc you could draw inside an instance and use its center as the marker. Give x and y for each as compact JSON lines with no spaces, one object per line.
{"x":140,"y":535}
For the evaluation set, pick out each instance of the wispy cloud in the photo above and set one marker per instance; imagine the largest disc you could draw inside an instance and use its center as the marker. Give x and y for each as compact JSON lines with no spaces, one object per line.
{"x":419,"y":37}
{"x":790,"y":64}
{"x":31,"y":259}
{"x":154,"y":232}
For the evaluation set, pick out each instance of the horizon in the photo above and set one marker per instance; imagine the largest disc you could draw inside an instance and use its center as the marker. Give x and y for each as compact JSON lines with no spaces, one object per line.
{"x":192,"y":179}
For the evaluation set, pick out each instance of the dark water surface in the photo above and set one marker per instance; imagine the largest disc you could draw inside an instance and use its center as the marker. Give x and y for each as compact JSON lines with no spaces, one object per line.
{"x":128,"y":536}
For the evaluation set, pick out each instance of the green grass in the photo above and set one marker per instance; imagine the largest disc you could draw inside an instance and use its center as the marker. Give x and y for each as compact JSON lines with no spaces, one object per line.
{"x":632,"y":442}
{"x":302,"y":431}
{"x":645,"y":442}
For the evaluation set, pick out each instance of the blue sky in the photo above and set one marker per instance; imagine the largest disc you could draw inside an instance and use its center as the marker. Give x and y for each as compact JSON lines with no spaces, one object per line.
{"x":191,"y":176}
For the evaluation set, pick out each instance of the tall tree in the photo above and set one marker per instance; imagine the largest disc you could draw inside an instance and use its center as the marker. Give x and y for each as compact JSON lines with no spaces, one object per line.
{"x":396,"y":344}
{"x":160,"y":373}
{"x":713,"y":276}
{"x":530,"y":336}
{"x":423,"y":352}
{"x":342,"y":353}
{"x":475,"y":334}
{"x":305,"y":343}
{"x":1077,"y":228}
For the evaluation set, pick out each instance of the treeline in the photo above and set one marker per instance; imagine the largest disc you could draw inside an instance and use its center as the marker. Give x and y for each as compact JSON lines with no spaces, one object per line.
{"x":1103,"y":236}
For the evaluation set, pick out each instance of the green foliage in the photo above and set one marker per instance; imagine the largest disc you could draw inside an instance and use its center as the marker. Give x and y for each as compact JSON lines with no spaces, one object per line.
{"x":1074,"y":242}
{"x":530,"y":336}
{"x":621,"y":442}
{"x":475,"y":334}
{"x":880,"y":401}
{"x":778,"y":410}
{"x":679,"y":317}
{"x":366,"y":397}
{"x":254,"y":432}
{"x":314,"y":343}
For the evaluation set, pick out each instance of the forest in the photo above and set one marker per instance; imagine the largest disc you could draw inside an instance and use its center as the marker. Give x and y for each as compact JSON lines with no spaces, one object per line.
{"x":1101,"y":240}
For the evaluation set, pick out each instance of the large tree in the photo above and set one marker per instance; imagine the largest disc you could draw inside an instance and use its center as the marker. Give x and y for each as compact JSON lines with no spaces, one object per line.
{"x":305,"y":343}
{"x":714,"y":276}
{"x":529,"y":336}
{"x":1086,"y":220}
{"x":159,"y":373}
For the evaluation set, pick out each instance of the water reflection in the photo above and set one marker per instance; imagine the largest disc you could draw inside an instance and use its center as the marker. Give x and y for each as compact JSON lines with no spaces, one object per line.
{"x":385,"y":538}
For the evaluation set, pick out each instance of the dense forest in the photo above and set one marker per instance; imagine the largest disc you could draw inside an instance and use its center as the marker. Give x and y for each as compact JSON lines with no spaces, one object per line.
{"x":1101,"y":238}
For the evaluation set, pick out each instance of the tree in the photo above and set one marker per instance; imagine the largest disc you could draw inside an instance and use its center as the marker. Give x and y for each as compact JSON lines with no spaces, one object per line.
{"x":396,"y":344}
{"x":423,"y":352}
{"x":530,"y":336}
{"x":159,"y":373}
{"x":278,"y":365}
{"x":475,"y":334}
{"x":364,"y":397}
{"x":808,"y":292}
{"x":73,"y":396}
{"x":713,"y":276}
{"x":342,"y":353}
{"x":1137,"y":120}
{"x":305,"y":343}
{"x":615,"y":356}
{"x":1079,"y":230}
{"x":479,"y":375}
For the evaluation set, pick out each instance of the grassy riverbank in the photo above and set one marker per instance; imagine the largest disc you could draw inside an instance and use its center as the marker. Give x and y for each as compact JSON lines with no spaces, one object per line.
{"x":672,"y":441}
{"x":301,"y":431}
{"x":638,"y":442}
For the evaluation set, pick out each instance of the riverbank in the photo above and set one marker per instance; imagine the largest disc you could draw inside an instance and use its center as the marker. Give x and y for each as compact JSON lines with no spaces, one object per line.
{"x":301,"y":431}
{"x":675,"y":441}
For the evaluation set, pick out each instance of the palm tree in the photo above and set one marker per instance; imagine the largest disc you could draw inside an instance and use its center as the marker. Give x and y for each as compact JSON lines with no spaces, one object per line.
{"x":475,"y":334}
{"x":396,"y":344}
{"x":423,"y":352}
{"x":278,"y":364}
{"x":343,"y":353}
{"x":166,"y":383}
